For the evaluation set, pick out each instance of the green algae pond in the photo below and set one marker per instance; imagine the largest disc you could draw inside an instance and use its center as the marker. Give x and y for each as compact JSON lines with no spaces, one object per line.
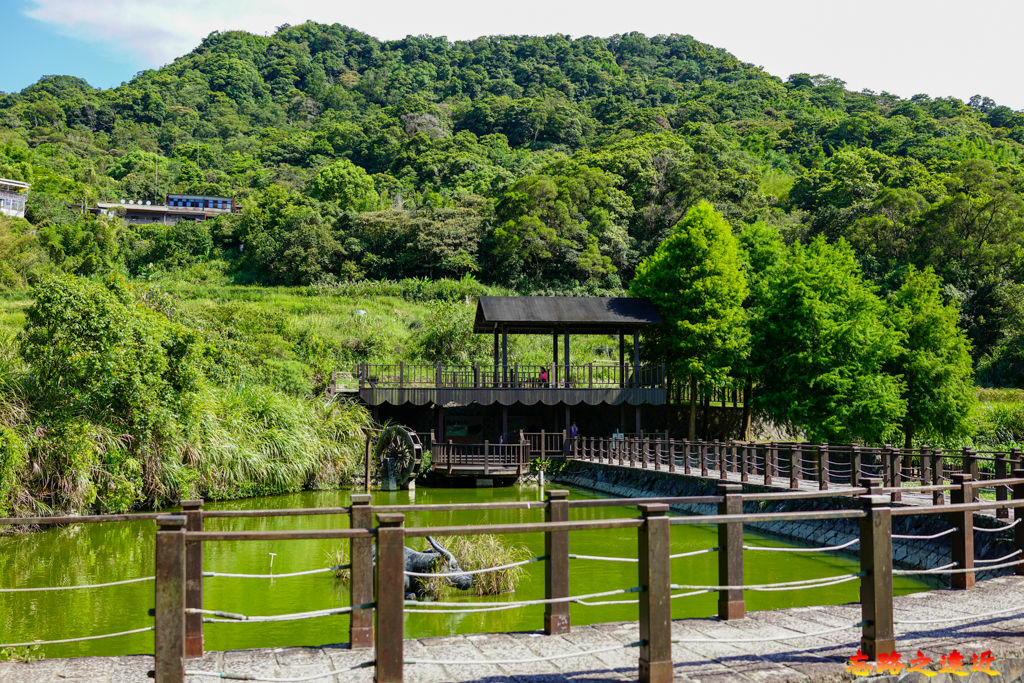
{"x":107,"y":552}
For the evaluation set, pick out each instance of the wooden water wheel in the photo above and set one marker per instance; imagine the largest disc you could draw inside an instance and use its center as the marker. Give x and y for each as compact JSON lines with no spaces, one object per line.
{"x":397,"y":453}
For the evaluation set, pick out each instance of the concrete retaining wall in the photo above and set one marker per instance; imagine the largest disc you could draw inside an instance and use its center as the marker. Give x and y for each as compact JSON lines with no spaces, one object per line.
{"x":625,"y":482}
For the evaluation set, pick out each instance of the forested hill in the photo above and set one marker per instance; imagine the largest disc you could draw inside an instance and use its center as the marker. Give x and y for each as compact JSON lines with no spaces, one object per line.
{"x":539,"y":163}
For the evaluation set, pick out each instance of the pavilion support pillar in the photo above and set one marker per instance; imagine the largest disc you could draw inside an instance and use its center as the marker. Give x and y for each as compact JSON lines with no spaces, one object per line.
{"x":495,"y":356}
{"x":567,"y":369}
{"x":554,"y":358}
{"x":440,"y":423}
{"x":639,"y":425}
{"x":504,"y":424}
{"x":622,"y":418}
{"x":636,"y":360}
{"x":622,"y":359}
{"x":504,"y":356}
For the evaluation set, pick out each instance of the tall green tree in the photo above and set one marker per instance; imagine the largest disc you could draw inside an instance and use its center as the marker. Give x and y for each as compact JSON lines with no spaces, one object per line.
{"x":935,"y":360}
{"x":821,"y":346}
{"x":695,"y":280}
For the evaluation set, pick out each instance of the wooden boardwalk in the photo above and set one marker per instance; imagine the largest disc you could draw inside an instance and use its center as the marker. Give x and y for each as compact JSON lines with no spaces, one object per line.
{"x":804,"y":658}
{"x":906,"y":496}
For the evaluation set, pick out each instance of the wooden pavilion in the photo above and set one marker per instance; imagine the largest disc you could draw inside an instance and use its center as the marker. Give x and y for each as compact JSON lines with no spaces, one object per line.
{"x":471,"y":403}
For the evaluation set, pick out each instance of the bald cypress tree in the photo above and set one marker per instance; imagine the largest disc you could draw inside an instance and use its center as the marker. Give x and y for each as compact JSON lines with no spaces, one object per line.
{"x":695,"y":280}
{"x":935,"y":360}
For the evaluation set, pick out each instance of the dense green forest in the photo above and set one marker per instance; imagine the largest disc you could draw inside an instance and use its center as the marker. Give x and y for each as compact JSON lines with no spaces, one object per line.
{"x":537,"y":163}
{"x":406,"y":175}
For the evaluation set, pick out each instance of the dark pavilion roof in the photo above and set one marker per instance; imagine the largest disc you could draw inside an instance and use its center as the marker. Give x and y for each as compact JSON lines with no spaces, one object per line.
{"x":573,"y":314}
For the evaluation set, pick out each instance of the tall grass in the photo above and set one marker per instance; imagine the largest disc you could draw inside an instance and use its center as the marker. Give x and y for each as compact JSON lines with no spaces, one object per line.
{"x":480,"y":552}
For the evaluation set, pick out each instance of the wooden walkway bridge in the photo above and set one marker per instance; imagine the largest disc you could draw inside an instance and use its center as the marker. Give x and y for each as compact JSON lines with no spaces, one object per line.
{"x":911,"y":476}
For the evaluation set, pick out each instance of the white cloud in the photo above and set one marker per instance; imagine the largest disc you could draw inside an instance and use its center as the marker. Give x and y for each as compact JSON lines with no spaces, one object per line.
{"x":903,"y":46}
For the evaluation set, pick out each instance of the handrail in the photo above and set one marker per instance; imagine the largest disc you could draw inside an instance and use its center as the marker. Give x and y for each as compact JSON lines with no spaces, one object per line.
{"x":655,"y":583}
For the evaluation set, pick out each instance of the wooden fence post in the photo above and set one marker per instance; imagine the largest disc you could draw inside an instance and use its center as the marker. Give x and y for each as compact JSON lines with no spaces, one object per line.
{"x":390,"y":598}
{"x":926,"y":467}
{"x":169,"y":639}
{"x":702,"y":449}
{"x":487,"y":456}
{"x":897,"y":473}
{"x":723,"y":464}
{"x":962,"y":540}
{"x":855,"y":465}
{"x":877,"y":636}
{"x":823,"y":467}
{"x":1002,"y":471}
{"x":653,"y":547}
{"x":794,"y":466}
{"x":671,"y":455}
{"x":193,"y":511}
{"x":360,"y":585}
{"x":644,"y":452}
{"x":970,"y":463}
{"x":938,"y":497}
{"x":556,"y":569}
{"x":686,"y":456}
{"x":745,"y":463}
{"x":769,"y":457}
{"x":1018,"y":516}
{"x":730,"y":553}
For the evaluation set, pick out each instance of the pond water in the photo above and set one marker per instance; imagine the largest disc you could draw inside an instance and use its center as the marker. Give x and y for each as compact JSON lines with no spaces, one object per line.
{"x":98,"y":553}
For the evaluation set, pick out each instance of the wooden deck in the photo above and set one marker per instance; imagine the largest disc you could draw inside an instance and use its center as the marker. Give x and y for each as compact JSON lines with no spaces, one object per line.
{"x":481,"y":460}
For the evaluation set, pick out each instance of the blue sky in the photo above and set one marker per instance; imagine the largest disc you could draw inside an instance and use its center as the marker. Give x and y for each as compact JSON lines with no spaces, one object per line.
{"x":937,"y":47}
{"x":32,"y":48}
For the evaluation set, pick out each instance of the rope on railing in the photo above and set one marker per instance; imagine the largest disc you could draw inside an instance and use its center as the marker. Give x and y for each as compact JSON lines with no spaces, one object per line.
{"x":249,"y":677}
{"x":945,"y":620}
{"x":335,"y":568}
{"x":232,"y":617}
{"x":1000,"y":559}
{"x":499,"y":606}
{"x":479,"y":571}
{"x":600,"y":603}
{"x":927,"y":538}
{"x":768,"y":639}
{"x":79,"y":640}
{"x":998,"y":528}
{"x":933,"y":570}
{"x":70,"y":588}
{"x":822,"y":549}
{"x":945,"y":568}
{"x":692,"y":553}
{"x":573,"y":556}
{"x":782,"y":585}
{"x":527,"y":660}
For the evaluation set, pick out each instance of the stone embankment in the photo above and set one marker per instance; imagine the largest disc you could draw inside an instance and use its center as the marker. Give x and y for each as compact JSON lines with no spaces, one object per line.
{"x":630,"y":482}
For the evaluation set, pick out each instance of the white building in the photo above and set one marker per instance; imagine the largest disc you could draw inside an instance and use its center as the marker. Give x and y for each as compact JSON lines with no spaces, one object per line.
{"x":13,"y":194}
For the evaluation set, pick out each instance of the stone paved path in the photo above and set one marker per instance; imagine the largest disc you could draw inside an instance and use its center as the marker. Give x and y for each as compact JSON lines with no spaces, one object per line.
{"x":810,"y":658}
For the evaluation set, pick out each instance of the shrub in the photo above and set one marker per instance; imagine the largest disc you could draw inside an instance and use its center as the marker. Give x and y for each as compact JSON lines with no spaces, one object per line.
{"x":447,"y":335}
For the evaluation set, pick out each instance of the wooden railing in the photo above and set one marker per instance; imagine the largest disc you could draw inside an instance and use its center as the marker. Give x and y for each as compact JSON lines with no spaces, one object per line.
{"x":180,"y":540}
{"x":921,"y":470}
{"x":484,"y":456}
{"x":480,"y":376}
{"x":380,"y":593}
